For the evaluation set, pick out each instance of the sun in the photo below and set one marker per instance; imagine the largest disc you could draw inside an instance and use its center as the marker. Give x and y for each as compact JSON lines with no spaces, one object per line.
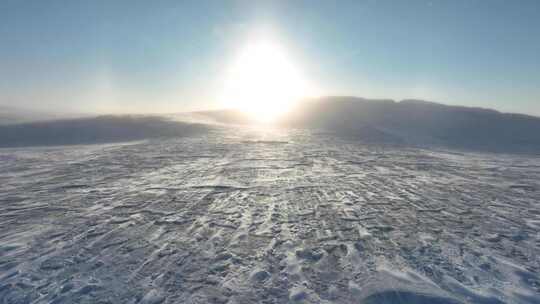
{"x":263,"y":82}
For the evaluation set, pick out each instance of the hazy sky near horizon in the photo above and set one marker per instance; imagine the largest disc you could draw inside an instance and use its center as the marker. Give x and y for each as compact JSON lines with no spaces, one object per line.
{"x":169,"y":56}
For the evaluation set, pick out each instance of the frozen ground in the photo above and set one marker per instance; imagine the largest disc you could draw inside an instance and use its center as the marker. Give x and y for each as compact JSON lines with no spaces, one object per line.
{"x":240,"y":216}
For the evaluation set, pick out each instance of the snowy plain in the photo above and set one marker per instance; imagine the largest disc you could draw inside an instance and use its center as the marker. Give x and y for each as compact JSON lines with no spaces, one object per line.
{"x":240,"y":215}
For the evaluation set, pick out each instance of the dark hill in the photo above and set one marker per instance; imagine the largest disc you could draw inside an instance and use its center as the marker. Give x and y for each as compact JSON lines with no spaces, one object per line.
{"x":419,"y":122}
{"x":102,"y":129}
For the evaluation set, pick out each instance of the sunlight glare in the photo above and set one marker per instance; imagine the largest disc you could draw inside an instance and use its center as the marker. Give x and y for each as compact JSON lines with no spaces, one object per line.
{"x":263,"y":82}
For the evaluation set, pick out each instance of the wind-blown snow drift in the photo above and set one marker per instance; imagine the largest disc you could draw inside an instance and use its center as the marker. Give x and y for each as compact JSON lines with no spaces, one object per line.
{"x":238,"y":216}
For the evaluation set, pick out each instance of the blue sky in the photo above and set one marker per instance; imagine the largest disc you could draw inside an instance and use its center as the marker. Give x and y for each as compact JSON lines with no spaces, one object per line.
{"x":166,"y":56}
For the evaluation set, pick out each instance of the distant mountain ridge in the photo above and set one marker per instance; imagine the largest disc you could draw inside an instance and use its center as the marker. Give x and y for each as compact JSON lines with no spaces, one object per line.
{"x":408,"y":122}
{"x":92,"y":130}
{"x":419,"y":122}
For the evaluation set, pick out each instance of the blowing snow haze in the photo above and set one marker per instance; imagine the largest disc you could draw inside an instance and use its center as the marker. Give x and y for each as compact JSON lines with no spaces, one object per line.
{"x":215,"y":152}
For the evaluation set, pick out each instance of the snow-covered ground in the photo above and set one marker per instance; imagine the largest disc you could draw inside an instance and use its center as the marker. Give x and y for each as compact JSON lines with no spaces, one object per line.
{"x":262,"y":216}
